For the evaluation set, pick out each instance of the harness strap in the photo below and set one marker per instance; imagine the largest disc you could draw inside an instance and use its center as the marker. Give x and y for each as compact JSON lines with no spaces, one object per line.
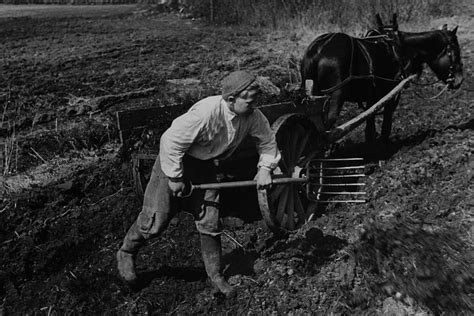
{"x":345,"y":81}
{"x":352,"y":57}
{"x":369,"y":61}
{"x":351,"y":76}
{"x":338,"y":86}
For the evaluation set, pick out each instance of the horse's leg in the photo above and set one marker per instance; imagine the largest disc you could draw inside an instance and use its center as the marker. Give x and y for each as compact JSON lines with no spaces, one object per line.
{"x":388,"y":117}
{"x":370,"y":130}
{"x":317,"y":115}
{"x":334,"y":107}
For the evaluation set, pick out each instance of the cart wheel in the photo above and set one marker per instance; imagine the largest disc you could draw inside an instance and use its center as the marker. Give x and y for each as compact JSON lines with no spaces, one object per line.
{"x":286,"y":207}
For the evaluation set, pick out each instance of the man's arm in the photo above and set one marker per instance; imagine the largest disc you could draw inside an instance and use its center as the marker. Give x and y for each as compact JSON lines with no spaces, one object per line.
{"x":267,"y":149}
{"x":173,"y":145}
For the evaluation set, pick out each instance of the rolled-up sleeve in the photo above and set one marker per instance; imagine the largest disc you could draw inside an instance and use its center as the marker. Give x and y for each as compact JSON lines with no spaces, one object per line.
{"x":176,"y":141}
{"x":265,"y":141}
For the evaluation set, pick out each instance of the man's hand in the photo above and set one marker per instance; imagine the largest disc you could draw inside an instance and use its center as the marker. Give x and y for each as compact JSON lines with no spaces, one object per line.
{"x":177,"y":187}
{"x":263,"y":178}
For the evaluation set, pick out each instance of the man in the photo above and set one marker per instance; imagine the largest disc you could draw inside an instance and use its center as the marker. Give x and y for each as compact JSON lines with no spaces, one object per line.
{"x":189,"y":152}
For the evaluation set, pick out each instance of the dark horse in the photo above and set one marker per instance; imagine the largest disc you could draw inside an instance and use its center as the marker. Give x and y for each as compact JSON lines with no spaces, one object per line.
{"x":361,"y":70}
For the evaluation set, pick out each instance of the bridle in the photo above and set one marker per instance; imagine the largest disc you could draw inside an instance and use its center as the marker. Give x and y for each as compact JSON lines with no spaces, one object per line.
{"x":450,"y":52}
{"x":448,"y":49}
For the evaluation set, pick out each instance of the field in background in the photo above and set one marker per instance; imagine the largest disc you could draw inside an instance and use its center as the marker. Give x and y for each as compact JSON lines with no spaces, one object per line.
{"x":57,"y":11}
{"x":68,"y":198}
{"x":292,"y":15}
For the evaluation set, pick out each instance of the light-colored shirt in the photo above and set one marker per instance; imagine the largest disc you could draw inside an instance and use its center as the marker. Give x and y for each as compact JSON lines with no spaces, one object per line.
{"x":210,"y":130}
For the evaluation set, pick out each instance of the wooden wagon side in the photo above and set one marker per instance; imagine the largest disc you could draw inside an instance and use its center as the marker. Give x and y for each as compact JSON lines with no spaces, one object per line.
{"x":140,"y":130}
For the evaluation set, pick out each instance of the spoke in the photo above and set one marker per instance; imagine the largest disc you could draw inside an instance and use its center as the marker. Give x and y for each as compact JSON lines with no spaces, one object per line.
{"x":295,"y":135}
{"x":305,"y":159}
{"x":302,"y":146}
{"x":282,"y":204}
{"x":284,"y":220}
{"x":299,"y":208}
{"x":283,"y":165}
{"x":276,"y":192}
{"x":311,"y":209}
{"x":288,"y":155}
{"x":291,"y":208}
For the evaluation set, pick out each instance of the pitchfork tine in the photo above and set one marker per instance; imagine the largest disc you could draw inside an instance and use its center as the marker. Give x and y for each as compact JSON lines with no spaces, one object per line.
{"x":319,"y":173}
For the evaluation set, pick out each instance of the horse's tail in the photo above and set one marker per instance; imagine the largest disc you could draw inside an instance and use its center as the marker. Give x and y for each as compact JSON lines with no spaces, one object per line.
{"x":309,"y":63}
{"x":304,"y":68}
{"x":308,"y":67}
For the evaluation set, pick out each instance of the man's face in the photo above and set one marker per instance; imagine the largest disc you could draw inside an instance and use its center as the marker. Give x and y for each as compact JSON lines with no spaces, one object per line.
{"x":244,"y":103}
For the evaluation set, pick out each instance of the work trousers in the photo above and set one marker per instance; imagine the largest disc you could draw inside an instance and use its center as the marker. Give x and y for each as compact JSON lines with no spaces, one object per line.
{"x":160,"y":206}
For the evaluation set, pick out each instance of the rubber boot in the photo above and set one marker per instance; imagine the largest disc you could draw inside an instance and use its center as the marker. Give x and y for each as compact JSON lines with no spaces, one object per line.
{"x":126,"y":255}
{"x":212,"y":256}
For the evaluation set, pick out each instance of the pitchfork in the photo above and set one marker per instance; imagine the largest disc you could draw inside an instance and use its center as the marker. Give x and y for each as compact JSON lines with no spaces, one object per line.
{"x":317,"y":176}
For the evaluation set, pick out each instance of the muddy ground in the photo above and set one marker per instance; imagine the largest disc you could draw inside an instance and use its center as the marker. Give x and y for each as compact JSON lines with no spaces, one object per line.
{"x":67,"y":196}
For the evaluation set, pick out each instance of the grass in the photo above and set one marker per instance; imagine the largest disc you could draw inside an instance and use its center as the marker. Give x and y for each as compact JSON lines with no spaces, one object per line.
{"x":317,"y":15}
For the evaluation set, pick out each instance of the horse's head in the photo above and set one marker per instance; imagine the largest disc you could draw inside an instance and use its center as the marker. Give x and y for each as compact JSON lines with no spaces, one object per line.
{"x":446,"y":60}
{"x":441,"y":52}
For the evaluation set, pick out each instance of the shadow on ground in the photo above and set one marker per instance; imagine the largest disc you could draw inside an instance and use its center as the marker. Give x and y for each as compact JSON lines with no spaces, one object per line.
{"x":379,"y":150}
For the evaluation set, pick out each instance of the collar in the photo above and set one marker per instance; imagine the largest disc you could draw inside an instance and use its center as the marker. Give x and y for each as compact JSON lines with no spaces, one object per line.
{"x":229,"y":115}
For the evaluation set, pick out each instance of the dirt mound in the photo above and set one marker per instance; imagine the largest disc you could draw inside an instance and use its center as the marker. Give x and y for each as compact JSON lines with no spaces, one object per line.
{"x":417,"y":261}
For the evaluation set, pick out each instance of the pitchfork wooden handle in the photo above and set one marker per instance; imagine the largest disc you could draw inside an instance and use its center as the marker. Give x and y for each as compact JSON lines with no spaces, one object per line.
{"x":239,"y":184}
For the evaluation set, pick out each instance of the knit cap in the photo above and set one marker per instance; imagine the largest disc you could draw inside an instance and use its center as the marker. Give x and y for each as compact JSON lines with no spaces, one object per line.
{"x":236,"y":82}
